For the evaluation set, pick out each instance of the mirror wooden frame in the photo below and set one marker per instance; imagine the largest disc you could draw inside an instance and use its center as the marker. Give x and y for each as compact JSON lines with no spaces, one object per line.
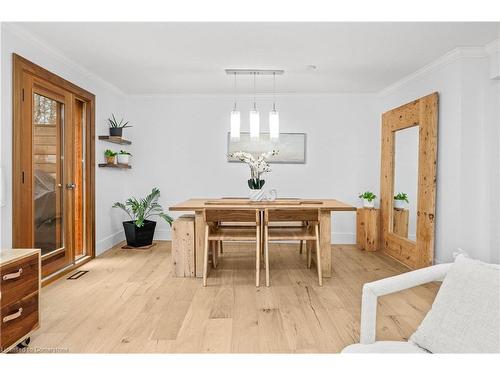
{"x":423,"y":113}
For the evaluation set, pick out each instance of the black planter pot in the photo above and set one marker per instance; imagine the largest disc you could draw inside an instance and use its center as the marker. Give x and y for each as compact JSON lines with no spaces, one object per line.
{"x":137,"y":237}
{"x":115,"y":132}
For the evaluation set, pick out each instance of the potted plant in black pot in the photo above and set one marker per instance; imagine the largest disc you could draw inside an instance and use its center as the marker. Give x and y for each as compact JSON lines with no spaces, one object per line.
{"x":115,"y":127}
{"x":139,"y":231}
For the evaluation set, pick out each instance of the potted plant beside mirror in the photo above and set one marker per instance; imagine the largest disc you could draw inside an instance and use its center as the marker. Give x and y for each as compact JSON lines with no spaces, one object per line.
{"x":115,"y":127}
{"x":368,"y":199}
{"x":139,"y":231}
{"x":400,"y":200}
{"x":123,"y":157}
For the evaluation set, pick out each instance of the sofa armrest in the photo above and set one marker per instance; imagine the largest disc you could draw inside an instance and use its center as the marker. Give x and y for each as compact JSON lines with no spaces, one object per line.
{"x":371,"y":291}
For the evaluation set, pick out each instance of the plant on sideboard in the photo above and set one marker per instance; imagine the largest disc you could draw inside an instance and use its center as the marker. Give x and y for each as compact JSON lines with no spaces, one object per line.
{"x":123,"y":157}
{"x":115,"y":127}
{"x":400,"y":199}
{"x":368,"y":199}
{"x":139,"y":231}
{"x":110,"y":156}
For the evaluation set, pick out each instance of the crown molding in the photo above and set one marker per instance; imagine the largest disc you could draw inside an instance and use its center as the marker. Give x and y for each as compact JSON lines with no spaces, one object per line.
{"x":448,"y":58}
{"x":247,"y":96}
{"x":22,"y":33}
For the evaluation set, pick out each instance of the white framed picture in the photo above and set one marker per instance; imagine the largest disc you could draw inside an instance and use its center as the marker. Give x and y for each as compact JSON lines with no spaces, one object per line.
{"x":291,"y":147}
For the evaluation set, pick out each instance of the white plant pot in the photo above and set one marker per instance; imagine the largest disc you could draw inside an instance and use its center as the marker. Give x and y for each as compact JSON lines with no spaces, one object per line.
{"x":368,"y":204}
{"x":399,"y":204}
{"x":256,"y":195}
{"x":123,"y":159}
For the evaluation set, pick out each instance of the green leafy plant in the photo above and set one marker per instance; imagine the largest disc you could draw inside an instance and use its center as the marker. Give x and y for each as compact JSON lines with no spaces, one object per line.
{"x":113,"y":123}
{"x":368,"y":195}
{"x":143,"y":208}
{"x":401,"y":197}
{"x":109,"y":154}
{"x":124,"y":153}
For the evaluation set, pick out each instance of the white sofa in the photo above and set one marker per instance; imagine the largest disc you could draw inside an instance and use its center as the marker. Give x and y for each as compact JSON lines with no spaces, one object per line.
{"x":464,"y":318}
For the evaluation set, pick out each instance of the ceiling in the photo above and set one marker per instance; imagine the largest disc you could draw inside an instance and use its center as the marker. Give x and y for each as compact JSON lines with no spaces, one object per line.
{"x":173,"y":58}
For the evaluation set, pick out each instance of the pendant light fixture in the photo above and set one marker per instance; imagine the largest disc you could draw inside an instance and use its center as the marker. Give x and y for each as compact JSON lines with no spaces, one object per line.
{"x":254,"y":115}
{"x":274,"y":118}
{"x":235,"y":116}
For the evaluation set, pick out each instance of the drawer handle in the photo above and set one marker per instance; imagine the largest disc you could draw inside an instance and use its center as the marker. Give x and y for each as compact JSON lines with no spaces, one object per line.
{"x":16,"y":315}
{"x":14,"y":275}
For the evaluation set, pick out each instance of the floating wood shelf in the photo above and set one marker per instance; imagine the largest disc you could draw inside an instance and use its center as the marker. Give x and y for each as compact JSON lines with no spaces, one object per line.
{"x":117,"y":140}
{"x":120,"y":166}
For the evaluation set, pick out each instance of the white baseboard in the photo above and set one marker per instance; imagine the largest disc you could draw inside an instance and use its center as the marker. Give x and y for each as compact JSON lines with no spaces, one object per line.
{"x":338,"y":238}
{"x":166,"y":235}
{"x":108,"y":242}
{"x":163,"y":235}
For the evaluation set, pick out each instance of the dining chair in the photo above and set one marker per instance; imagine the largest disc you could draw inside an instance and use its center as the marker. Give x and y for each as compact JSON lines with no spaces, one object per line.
{"x":308,"y":232}
{"x":227,"y":232}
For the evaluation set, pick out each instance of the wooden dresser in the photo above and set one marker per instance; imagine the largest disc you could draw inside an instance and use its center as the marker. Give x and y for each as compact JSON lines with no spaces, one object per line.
{"x":19,"y":296}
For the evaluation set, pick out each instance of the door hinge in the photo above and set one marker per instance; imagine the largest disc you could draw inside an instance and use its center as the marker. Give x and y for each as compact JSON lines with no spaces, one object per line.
{"x":22,"y":177}
{"x":23,"y":95}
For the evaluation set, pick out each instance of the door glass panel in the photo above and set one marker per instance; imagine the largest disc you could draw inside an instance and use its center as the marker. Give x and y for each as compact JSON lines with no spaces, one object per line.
{"x":48,"y":173}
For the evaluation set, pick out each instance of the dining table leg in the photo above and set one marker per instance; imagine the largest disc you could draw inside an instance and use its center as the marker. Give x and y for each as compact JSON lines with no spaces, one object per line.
{"x":199,"y":232}
{"x":325,"y":237}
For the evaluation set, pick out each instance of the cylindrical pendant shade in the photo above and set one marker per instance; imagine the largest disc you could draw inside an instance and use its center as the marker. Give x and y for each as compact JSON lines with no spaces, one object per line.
{"x":235,"y":124}
{"x":274,"y":124}
{"x":254,"y":123}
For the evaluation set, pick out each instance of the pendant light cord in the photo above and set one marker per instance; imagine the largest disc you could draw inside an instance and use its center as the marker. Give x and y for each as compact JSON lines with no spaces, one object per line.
{"x":274,"y":92}
{"x":254,"y":92}
{"x":234,"y":91}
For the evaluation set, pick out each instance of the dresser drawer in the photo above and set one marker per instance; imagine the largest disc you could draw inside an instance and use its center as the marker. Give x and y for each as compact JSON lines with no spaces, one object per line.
{"x":18,"y":280}
{"x":18,"y":319}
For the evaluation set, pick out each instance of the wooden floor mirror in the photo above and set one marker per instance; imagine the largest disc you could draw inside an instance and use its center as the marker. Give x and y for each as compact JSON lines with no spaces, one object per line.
{"x":408,"y":181}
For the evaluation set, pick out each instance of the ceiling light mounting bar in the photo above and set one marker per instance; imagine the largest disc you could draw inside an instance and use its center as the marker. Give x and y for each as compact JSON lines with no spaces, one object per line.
{"x":259,"y":72}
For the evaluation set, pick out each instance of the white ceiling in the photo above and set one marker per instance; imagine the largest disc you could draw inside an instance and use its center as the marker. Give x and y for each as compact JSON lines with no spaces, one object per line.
{"x":165,"y":58}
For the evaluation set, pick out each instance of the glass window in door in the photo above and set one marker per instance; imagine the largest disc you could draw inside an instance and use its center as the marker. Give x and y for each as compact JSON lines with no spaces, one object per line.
{"x":48,"y":155}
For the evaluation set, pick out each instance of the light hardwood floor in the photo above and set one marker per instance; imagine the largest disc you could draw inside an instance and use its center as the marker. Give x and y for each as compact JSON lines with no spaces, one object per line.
{"x":129,"y":302}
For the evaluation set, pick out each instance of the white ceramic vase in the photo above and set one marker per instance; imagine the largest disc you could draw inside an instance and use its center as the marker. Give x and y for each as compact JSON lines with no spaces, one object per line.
{"x":256,"y":195}
{"x":368,"y":204}
{"x":399,"y":204}
{"x":123,"y":159}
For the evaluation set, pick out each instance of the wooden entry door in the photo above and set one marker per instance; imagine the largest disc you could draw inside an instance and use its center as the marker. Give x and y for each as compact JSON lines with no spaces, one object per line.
{"x":52,"y":167}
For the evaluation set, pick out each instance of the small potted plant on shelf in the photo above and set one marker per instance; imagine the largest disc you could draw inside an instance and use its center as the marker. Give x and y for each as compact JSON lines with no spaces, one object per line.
{"x":123,"y":157}
{"x":400,"y":199}
{"x":110,"y":156}
{"x":115,"y":127}
{"x":368,"y":199}
{"x":139,"y":231}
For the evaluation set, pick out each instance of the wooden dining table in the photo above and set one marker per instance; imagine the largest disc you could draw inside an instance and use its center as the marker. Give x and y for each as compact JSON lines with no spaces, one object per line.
{"x":325,"y":206}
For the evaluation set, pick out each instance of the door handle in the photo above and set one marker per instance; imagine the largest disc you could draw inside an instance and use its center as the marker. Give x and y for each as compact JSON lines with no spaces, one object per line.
{"x":70,"y":186}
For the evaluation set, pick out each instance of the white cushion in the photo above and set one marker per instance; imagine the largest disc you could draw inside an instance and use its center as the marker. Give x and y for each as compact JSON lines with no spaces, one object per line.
{"x":465,"y":316}
{"x":384,"y":347}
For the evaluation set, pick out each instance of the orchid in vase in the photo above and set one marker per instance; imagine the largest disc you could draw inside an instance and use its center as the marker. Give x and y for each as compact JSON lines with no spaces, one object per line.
{"x":257,"y":166}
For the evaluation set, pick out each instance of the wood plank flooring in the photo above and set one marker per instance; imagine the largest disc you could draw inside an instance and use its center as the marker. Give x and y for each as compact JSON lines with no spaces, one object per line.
{"x":130,"y":302}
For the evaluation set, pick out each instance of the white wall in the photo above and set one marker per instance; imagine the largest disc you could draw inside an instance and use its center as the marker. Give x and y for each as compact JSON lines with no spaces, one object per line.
{"x":467,"y":209}
{"x":110,"y":184}
{"x":180,"y":144}
{"x":180,"y":147}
